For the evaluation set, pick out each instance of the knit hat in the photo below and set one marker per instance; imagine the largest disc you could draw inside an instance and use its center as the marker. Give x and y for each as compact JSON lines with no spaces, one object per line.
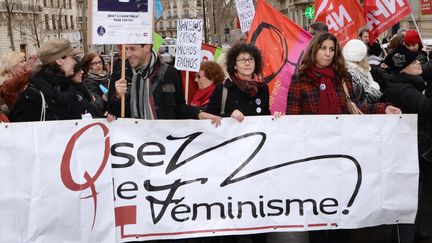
{"x":354,"y":51}
{"x":412,"y":37}
{"x":400,"y":58}
{"x":56,"y":49}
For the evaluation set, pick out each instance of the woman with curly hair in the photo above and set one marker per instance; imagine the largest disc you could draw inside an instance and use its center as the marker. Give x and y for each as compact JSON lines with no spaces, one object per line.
{"x":246,"y":94}
{"x":209,"y":75}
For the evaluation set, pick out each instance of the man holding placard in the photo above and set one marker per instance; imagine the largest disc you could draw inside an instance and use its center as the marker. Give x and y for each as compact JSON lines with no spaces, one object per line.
{"x":152,"y":89}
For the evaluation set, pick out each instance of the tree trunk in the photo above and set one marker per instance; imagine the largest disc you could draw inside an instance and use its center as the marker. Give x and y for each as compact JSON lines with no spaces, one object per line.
{"x":84,"y":27}
{"x":9,"y":9}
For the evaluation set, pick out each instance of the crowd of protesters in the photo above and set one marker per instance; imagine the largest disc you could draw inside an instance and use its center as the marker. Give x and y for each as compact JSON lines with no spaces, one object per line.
{"x":359,"y":78}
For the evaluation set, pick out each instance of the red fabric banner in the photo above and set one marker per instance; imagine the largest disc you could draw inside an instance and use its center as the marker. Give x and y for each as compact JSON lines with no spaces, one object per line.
{"x":342,"y":17}
{"x":381,"y":15}
{"x":282,"y":44}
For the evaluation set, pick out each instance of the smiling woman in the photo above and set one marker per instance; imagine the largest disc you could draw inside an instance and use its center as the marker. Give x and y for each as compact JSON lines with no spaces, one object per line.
{"x":50,"y":94}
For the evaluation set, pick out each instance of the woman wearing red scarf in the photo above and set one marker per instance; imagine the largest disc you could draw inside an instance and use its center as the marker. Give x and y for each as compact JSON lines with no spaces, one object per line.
{"x":246,"y":93}
{"x":320,"y":89}
{"x":319,"y":86}
{"x":209,"y":75}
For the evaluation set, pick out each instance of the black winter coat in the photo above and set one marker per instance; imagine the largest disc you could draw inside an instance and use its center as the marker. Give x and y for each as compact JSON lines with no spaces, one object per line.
{"x":237,"y":99}
{"x":168,"y":95}
{"x":405,"y":92}
{"x":63,"y":101}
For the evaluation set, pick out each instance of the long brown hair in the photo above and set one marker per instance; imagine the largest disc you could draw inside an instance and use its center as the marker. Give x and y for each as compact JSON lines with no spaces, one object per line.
{"x":338,"y":64}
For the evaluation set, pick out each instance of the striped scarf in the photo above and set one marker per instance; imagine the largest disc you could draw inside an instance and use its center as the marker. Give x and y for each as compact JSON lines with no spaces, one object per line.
{"x":142,"y":105}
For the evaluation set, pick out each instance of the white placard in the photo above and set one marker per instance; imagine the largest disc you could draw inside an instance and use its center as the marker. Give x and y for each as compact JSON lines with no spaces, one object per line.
{"x":122,"y":21}
{"x":246,"y":13}
{"x":188,"y":50}
{"x":182,"y":179}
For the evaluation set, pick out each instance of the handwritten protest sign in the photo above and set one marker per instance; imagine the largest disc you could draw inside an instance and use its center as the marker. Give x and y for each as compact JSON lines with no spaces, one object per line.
{"x":246,"y":13}
{"x":188,"y":50}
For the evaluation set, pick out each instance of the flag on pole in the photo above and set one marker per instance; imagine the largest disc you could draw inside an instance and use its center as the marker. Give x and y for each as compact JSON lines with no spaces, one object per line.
{"x":282,"y":44}
{"x":342,"y":17}
{"x":158,"y":9}
{"x":381,"y":15}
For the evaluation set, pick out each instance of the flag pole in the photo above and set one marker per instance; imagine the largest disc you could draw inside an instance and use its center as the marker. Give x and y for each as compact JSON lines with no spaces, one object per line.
{"x":187,"y":88}
{"x":123,"y":76}
{"x":417,"y":28}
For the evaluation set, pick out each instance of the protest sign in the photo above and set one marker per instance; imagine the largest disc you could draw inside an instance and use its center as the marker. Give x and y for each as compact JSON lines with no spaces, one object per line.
{"x":93,"y":181}
{"x":245,"y":13}
{"x":188,"y":50}
{"x":121,"y":21}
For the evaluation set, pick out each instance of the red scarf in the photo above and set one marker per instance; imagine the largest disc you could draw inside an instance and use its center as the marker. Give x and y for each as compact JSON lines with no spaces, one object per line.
{"x":202,"y":96}
{"x":328,"y":98}
{"x":250,"y":87}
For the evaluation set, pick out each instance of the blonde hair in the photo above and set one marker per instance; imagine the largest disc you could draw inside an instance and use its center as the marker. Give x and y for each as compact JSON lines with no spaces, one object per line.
{"x":9,"y":60}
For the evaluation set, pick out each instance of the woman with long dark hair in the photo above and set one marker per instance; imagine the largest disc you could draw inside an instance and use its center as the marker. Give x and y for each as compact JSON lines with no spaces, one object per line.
{"x":324,"y":87}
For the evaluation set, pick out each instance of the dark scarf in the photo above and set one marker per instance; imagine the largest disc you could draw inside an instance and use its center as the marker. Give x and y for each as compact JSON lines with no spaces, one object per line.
{"x":142,"y":104}
{"x":417,"y":81}
{"x":328,"y":98}
{"x":250,"y":87}
{"x":202,"y":96}
{"x":102,"y":77}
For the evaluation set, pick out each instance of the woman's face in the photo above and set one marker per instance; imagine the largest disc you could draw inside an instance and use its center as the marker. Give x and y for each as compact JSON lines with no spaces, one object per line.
{"x":77,"y":78}
{"x":19,"y":68}
{"x":202,"y":81}
{"x":245,"y":65}
{"x":96,"y":65}
{"x":414,"y":47}
{"x":413,"y":69}
{"x":325,"y":54}
{"x":67,"y":64}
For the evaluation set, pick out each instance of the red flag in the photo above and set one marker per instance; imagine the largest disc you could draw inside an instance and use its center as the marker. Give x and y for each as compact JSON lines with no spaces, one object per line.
{"x":381,"y":15}
{"x":282,"y":44}
{"x":342,"y":17}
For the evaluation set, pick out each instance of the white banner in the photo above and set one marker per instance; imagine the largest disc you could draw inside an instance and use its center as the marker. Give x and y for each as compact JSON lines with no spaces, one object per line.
{"x":121,"y":21}
{"x":182,"y":179}
{"x":188,"y":49}
{"x":245,"y":13}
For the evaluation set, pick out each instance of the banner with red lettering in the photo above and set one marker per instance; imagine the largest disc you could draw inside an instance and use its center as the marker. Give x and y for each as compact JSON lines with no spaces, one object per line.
{"x":381,"y":15}
{"x":282,"y":44}
{"x":137,"y":180}
{"x":342,"y":17}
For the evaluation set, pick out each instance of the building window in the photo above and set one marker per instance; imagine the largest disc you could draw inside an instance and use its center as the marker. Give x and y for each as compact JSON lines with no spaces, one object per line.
{"x":72,"y":22}
{"x":44,"y":3}
{"x":53,"y":17}
{"x":186,"y":14}
{"x":47,"y":22}
{"x":70,"y":4}
{"x":66,"y":22}
{"x":199,"y":3}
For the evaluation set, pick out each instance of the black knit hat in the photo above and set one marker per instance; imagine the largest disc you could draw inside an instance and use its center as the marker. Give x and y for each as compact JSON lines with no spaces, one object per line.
{"x":400,"y":58}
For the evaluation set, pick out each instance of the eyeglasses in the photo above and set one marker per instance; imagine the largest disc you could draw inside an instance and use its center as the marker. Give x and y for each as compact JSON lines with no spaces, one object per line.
{"x":96,"y":63}
{"x":244,"y":60}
